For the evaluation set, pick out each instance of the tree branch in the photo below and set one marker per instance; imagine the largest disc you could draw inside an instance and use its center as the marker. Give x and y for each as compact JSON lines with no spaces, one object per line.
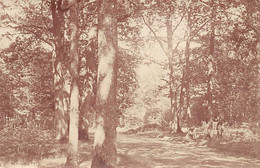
{"x":38,"y":36}
{"x":197,"y":31}
{"x":179,"y":21}
{"x":155,"y":35}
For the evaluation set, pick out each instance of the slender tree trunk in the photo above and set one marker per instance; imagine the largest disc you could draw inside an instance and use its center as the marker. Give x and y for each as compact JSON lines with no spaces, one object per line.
{"x":210,"y":67}
{"x":182,"y":95}
{"x":60,"y":112}
{"x":211,"y":59}
{"x":74,"y":93}
{"x":187,"y":69}
{"x":188,"y":83}
{"x":175,"y":123}
{"x":175,"y":107}
{"x":104,"y":154}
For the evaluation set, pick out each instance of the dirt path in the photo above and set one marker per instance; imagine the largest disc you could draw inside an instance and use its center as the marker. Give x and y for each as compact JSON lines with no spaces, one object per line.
{"x":144,"y":152}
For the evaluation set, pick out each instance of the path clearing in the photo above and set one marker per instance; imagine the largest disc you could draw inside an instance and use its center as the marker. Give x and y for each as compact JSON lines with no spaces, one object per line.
{"x":144,"y":152}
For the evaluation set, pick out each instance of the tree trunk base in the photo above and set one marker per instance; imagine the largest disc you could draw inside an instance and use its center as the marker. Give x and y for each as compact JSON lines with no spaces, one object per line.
{"x":97,"y":162}
{"x":178,"y":127}
{"x":179,"y":130}
{"x":71,"y":161}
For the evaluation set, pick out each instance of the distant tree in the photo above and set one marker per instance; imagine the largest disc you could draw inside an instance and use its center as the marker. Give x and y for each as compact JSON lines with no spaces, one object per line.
{"x":104,"y":154}
{"x":167,"y":11}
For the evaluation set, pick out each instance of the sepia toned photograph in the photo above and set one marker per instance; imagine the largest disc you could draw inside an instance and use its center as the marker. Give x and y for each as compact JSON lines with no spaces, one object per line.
{"x":130,"y":84}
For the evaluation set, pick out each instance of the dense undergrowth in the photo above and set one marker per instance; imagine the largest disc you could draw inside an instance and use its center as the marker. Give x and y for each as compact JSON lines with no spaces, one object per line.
{"x":28,"y":145}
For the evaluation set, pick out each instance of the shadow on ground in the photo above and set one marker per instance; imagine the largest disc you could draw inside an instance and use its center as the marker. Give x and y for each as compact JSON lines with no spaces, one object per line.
{"x":140,"y":151}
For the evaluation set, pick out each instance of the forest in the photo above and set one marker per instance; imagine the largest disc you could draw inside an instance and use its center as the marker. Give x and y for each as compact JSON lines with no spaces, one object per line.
{"x":129,"y":83}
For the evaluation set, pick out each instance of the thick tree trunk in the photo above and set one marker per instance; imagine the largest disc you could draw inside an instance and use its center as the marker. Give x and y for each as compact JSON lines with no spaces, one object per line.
{"x":104,"y":154}
{"x":74,"y":94}
{"x":60,"y":112}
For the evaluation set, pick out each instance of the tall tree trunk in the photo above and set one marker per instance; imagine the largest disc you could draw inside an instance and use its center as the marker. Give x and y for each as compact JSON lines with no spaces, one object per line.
{"x":60,"y":112}
{"x":175,"y":123}
{"x":74,"y":93}
{"x":187,"y":69}
{"x":104,"y":154}
{"x":187,"y":84}
{"x":210,"y":67}
{"x":182,"y":94}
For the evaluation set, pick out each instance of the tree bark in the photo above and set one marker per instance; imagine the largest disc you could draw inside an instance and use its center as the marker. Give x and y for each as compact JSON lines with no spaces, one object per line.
{"x":61,"y":95}
{"x":74,"y":93}
{"x":175,"y":123}
{"x":169,"y":55}
{"x":210,"y":66}
{"x":187,"y":84}
{"x":104,"y":154}
{"x":187,"y":69}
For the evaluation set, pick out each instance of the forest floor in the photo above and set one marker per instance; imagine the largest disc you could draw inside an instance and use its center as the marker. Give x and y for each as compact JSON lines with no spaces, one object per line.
{"x":149,"y":149}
